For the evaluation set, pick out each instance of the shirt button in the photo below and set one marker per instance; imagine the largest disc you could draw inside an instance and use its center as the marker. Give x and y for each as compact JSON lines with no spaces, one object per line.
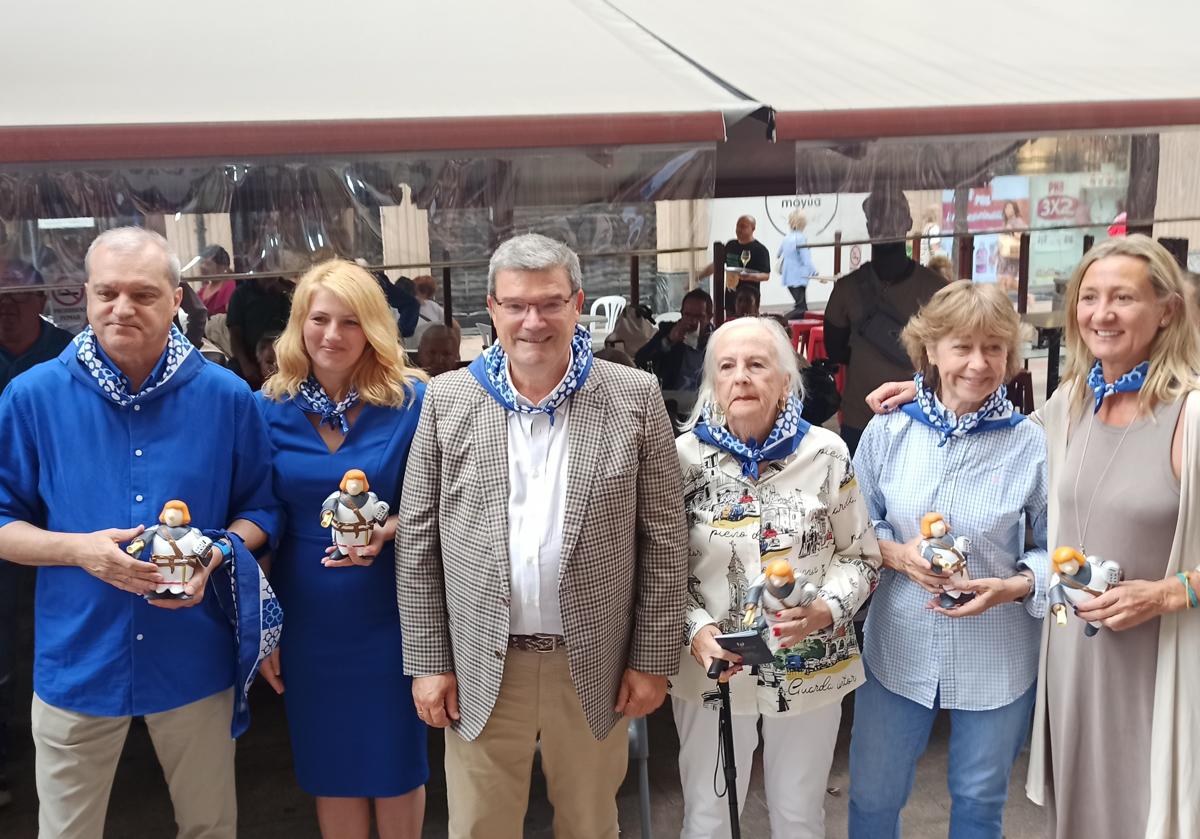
{"x":497,"y":654}
{"x":137,"y":498}
{"x":137,"y":452}
{"x":137,"y":407}
{"x":139,"y":636}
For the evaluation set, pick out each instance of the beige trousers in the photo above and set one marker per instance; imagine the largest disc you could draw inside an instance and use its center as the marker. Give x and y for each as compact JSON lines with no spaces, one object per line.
{"x":487,"y":779}
{"x":77,"y":757}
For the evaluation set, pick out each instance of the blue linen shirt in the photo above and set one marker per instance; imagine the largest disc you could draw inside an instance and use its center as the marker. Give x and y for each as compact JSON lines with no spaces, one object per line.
{"x":989,"y":485}
{"x":798,"y":265}
{"x":77,"y":462}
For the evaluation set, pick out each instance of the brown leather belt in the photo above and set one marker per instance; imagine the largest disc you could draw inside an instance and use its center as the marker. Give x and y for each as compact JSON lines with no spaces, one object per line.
{"x":539,"y":643}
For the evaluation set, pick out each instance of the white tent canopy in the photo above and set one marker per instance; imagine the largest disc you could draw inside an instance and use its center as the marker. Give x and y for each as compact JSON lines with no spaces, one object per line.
{"x":880,"y":68}
{"x":145,"y":79}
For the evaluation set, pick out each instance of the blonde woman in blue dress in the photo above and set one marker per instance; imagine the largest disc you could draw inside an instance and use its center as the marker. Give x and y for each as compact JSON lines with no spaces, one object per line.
{"x":344,"y":399}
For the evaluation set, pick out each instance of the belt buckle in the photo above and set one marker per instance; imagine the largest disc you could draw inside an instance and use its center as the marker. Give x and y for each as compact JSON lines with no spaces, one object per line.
{"x":537,"y":643}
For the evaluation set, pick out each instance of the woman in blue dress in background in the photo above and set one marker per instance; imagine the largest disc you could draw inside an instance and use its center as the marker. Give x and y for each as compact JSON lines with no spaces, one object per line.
{"x":344,"y":399}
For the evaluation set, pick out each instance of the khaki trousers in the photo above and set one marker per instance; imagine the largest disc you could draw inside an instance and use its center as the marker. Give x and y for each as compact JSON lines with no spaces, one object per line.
{"x":77,"y":757}
{"x":487,"y":779}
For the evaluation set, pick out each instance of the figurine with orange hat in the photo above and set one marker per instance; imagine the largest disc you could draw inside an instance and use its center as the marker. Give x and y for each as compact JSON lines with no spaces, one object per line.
{"x":947,"y":556}
{"x":175,"y":547}
{"x":1077,"y":579}
{"x":774,"y":590}
{"x":351,"y":515}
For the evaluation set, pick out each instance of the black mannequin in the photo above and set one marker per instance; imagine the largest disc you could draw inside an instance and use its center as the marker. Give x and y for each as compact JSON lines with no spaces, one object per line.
{"x":889,"y":276}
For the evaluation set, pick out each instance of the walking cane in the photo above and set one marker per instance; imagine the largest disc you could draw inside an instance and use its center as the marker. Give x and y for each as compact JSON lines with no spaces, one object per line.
{"x":725,"y":753}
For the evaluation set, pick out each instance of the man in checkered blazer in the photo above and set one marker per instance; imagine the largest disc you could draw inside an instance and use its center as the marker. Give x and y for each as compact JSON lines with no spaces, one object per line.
{"x":541,"y":560}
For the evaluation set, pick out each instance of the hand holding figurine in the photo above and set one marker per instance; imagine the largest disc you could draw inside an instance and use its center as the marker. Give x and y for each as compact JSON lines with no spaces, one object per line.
{"x":355,"y":517}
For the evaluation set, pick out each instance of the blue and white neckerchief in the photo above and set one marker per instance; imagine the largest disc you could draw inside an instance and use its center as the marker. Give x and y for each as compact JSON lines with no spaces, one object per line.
{"x":995,"y":412}
{"x":783,"y":440}
{"x":115,"y":384}
{"x":491,"y":371}
{"x":313,"y":399}
{"x":1125,"y":383}
{"x":255,"y":614}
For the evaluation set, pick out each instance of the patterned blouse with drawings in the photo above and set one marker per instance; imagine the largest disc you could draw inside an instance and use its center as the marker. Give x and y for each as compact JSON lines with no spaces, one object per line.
{"x":806,"y":509}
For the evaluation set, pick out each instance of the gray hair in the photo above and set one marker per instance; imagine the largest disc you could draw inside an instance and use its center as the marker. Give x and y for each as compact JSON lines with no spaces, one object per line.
{"x":797,"y":220}
{"x":785,"y":359}
{"x":534,"y":252}
{"x":132,"y":240}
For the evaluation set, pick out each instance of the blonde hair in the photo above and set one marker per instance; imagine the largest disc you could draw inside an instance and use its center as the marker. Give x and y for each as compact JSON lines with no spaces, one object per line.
{"x":797,"y":220}
{"x":962,"y":307}
{"x":1174,"y":352}
{"x":382,"y":375}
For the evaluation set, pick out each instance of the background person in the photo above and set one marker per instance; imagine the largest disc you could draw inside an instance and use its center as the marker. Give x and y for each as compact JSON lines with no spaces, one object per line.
{"x":868,"y":308}
{"x":676,"y":353}
{"x":356,"y":739}
{"x":792,"y":497}
{"x":796,"y":266}
{"x":440,"y":349}
{"x":259,"y":306}
{"x":961,"y":451}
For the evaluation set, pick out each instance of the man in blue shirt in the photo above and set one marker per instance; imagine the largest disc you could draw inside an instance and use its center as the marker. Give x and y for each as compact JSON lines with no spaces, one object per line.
{"x":128,"y":417}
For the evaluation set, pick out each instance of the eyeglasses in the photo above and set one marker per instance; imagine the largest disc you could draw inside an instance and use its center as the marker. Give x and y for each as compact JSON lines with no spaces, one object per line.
{"x":518,"y":309}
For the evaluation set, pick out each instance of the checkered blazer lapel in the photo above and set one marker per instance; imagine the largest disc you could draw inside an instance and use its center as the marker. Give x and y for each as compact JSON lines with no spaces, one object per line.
{"x":490,"y":434}
{"x":586,"y":424}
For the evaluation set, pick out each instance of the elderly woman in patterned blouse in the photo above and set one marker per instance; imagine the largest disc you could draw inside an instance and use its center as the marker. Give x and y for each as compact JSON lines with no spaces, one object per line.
{"x":790,"y":497}
{"x":961,"y":451}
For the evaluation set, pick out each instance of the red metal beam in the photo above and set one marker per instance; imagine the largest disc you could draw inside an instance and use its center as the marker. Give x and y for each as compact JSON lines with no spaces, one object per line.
{"x":984,"y":119}
{"x":51,"y":143}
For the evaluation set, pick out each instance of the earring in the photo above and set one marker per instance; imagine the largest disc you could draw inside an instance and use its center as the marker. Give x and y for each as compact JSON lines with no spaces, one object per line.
{"x":783,"y":401}
{"x":716,"y":414}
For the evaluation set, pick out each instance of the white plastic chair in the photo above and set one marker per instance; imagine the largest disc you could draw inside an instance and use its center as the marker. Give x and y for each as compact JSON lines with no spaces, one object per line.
{"x":485,"y":332}
{"x":612,"y":306}
{"x":668,"y":317}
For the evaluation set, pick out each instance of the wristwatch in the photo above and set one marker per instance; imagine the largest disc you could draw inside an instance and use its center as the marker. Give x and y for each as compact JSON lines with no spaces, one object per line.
{"x":1028,"y":575}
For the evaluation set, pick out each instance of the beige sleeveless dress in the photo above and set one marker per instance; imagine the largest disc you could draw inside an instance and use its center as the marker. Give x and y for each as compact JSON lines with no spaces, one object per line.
{"x":1100,"y":690}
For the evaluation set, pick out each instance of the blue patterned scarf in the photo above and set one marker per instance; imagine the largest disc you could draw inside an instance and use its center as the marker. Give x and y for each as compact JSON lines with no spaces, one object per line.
{"x":115,"y":384}
{"x":252,"y":609}
{"x":783,"y":440}
{"x":1125,"y":383}
{"x":491,"y":370}
{"x":996,"y":412}
{"x":313,"y":399}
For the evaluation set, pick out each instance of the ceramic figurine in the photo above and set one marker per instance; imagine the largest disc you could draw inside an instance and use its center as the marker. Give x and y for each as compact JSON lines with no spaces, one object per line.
{"x":176,"y":548}
{"x":775,"y":589}
{"x":351,"y":514}
{"x":948,"y":557}
{"x":1076,"y":579}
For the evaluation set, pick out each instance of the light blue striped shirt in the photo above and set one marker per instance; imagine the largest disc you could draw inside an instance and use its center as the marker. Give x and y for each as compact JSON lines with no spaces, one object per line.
{"x":988,"y":485}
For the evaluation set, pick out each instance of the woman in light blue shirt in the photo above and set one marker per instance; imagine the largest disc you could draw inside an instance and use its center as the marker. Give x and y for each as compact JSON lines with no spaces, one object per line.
{"x":796,"y":265}
{"x":961,"y":450}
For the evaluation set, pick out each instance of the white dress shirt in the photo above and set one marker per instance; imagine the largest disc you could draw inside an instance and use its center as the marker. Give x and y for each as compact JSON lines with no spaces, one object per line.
{"x":537,"y":500}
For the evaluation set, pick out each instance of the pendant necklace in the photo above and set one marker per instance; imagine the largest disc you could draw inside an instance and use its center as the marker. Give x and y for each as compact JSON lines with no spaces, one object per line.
{"x":1081,"y":529}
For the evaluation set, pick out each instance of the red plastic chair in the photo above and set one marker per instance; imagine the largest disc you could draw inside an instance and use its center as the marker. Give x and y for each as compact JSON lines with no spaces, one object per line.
{"x":802,"y":334}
